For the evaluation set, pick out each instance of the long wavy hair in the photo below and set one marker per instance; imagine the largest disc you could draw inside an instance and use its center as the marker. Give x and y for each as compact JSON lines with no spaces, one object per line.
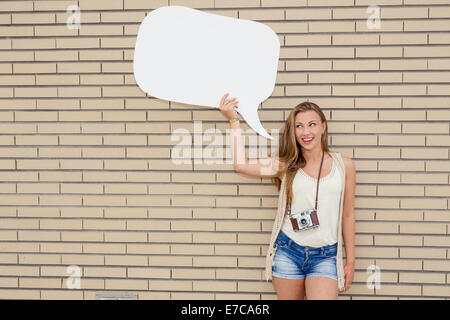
{"x":290,"y":151}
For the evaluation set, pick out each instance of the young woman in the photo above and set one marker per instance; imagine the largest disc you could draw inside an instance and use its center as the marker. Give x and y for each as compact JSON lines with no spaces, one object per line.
{"x":315,"y":215}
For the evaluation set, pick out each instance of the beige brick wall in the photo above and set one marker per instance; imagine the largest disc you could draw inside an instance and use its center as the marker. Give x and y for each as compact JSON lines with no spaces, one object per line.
{"x":86,"y":172}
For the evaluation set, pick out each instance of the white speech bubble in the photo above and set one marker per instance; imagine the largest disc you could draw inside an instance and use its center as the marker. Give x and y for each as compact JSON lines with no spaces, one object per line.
{"x":189,"y":56}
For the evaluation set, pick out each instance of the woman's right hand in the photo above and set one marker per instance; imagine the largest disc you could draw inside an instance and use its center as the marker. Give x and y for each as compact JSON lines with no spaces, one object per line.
{"x":227,"y":107}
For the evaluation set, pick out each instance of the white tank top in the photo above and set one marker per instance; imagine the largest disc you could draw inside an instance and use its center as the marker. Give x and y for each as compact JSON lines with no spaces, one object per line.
{"x":304,"y":196}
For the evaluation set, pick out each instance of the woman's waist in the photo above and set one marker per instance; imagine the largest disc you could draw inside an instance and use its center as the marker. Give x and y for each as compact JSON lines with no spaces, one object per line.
{"x":285,"y":239}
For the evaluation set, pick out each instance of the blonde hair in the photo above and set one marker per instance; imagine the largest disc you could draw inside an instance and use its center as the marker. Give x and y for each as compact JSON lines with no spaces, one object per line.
{"x":289,"y":150}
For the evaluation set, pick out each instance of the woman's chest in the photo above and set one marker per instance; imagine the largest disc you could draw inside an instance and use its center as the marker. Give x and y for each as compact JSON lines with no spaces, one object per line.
{"x":312,"y":170}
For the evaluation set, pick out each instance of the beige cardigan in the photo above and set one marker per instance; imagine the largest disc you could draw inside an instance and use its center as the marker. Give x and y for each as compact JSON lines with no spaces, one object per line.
{"x":280,"y":217}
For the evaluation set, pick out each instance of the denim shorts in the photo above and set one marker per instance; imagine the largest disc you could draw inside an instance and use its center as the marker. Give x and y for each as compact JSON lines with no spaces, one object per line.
{"x":293,"y":261}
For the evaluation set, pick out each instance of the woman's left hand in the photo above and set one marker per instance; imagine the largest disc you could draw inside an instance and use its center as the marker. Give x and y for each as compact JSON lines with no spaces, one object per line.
{"x":349,"y":271}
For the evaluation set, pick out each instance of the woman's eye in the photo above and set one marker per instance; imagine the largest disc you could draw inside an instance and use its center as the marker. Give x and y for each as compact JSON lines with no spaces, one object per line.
{"x":299,"y":125}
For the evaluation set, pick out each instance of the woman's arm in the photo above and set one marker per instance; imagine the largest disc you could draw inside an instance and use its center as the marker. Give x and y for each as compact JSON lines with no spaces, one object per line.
{"x":263,"y":168}
{"x":348,"y":220}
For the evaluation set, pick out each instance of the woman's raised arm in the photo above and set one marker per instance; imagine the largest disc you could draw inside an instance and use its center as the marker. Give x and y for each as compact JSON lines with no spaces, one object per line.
{"x":264,"y":167}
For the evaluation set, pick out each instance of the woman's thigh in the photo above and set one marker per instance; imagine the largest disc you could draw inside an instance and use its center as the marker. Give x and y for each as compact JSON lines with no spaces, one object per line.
{"x":287,"y":276}
{"x":321,"y":288}
{"x":289,"y":289}
{"x":321,"y":276}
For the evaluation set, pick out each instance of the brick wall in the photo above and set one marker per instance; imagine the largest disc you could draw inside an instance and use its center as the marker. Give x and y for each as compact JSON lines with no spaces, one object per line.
{"x":87,"y":177}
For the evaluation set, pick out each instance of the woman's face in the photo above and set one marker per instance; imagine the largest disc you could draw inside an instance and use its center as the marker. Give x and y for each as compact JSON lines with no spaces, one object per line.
{"x":309,"y":129}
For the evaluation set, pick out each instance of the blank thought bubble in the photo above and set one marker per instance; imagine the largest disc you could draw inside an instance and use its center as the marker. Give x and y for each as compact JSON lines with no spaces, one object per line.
{"x":189,"y":56}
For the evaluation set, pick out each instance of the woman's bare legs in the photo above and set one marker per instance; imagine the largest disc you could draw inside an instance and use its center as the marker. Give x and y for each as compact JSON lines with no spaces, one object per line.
{"x":321,"y":288}
{"x":316,"y":288}
{"x":289,"y":289}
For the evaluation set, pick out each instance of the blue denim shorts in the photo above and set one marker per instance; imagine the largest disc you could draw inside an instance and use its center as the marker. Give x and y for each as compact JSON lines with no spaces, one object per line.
{"x":293,"y":261}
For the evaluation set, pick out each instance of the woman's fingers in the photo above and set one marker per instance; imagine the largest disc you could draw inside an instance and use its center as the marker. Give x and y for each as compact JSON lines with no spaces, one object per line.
{"x":223,"y":98}
{"x":228,"y":104}
{"x":231,"y":101}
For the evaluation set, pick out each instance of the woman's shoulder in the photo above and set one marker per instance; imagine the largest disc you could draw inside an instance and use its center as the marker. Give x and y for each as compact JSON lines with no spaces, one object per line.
{"x":348,"y":161}
{"x":349,"y":165}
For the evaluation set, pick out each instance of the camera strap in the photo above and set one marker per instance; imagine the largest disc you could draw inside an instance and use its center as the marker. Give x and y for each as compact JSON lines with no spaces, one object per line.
{"x":288,"y":205}
{"x":318,"y":179}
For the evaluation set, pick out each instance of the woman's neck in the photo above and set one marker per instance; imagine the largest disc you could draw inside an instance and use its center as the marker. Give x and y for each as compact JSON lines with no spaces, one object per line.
{"x":312,"y":156}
